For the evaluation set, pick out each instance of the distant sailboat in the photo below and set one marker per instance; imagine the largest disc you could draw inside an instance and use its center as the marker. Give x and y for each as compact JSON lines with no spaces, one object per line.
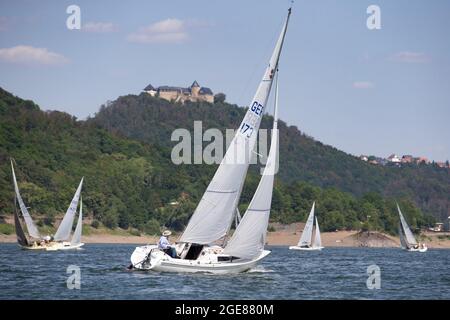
{"x":407,"y":239}
{"x":35,"y":238}
{"x":306,"y":240}
{"x":36,"y":241}
{"x":211,"y":221}
{"x":62,"y":235}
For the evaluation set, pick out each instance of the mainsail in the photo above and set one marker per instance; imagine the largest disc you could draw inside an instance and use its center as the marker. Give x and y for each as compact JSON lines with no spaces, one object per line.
{"x":317,"y":238}
{"x":305,"y":239}
{"x":64,"y":229}
{"x":249,"y":238}
{"x":403,"y":243}
{"x":21,"y":238}
{"x":31,"y":227}
{"x":214,"y":214}
{"x":76,"y":238}
{"x":409,"y":237}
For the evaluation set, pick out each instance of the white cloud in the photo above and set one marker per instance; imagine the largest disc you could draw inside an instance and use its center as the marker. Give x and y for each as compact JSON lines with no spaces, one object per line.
{"x":31,"y":55}
{"x":99,"y":27}
{"x":363,"y":85}
{"x":410,"y":57}
{"x":165,"y":31}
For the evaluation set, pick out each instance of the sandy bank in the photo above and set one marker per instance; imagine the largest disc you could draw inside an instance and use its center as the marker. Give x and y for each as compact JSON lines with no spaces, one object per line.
{"x":284,"y":235}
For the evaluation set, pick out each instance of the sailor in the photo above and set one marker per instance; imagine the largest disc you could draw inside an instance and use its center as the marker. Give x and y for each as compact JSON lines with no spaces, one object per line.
{"x":165,"y":246}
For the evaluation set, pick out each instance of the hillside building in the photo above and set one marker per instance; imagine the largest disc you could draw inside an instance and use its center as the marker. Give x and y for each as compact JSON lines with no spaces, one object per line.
{"x":180,"y":94}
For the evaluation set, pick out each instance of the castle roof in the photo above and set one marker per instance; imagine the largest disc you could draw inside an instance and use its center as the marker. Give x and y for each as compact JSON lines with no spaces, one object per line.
{"x":195,"y":84}
{"x":149,"y":88}
{"x":204,"y":90}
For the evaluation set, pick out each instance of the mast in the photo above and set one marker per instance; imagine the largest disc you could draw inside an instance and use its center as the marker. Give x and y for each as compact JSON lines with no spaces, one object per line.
{"x":215,"y":211}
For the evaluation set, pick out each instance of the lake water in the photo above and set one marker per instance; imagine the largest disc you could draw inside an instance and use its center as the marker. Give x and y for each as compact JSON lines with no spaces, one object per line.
{"x":334,"y":273}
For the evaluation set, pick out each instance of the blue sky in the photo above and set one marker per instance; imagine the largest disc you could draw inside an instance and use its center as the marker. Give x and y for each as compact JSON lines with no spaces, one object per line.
{"x":362,"y":91}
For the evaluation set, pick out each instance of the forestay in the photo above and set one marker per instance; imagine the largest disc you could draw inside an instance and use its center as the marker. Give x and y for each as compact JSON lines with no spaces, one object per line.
{"x":31,"y":227}
{"x":249,"y":238}
{"x":305,"y":239}
{"x":63,"y":232}
{"x":214,"y":214}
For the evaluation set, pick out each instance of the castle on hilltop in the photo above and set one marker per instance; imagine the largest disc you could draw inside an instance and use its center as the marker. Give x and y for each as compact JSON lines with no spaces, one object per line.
{"x":179,"y":94}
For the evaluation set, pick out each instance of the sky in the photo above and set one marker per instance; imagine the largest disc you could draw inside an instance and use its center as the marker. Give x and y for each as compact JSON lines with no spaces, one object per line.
{"x":363,"y":91}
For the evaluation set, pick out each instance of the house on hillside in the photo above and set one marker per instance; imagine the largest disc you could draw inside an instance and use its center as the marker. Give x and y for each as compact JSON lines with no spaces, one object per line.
{"x":422,"y":160}
{"x":180,"y":94}
{"x":394,"y":158}
{"x":407,"y":159}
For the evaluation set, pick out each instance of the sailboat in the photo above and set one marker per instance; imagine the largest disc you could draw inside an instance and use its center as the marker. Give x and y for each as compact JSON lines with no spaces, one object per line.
{"x":407,"y":239}
{"x":62,"y":235}
{"x":36,"y":241}
{"x":198,"y":249}
{"x":75,"y":242}
{"x":307,"y":234}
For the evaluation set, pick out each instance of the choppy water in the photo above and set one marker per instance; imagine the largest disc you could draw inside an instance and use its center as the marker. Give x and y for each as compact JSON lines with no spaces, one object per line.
{"x":334,"y":273}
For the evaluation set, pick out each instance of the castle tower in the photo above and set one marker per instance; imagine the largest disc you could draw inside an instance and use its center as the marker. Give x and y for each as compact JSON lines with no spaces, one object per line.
{"x":195,"y":88}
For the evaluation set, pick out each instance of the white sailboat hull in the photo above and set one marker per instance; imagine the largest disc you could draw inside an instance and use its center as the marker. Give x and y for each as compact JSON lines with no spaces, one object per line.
{"x":64,"y":246}
{"x":33,"y":247}
{"x":305,"y":248}
{"x":208,"y":263}
{"x":424,"y":249}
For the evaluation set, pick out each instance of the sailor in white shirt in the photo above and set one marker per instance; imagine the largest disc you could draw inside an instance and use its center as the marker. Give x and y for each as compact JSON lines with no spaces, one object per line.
{"x":165,"y":246}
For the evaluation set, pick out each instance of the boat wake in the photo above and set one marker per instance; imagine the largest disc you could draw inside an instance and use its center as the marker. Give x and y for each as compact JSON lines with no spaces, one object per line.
{"x":259,"y":269}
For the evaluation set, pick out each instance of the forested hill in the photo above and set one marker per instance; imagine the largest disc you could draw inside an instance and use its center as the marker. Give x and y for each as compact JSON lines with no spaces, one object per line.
{"x":130,"y":181}
{"x":152,"y":120}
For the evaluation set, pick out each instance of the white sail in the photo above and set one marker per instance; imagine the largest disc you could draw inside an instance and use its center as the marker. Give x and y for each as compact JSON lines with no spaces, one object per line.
{"x":249,"y":238}
{"x":317,"y":238}
{"x":31,"y":227}
{"x":403,"y":243}
{"x":76,"y":238}
{"x":64,"y":229}
{"x":214,"y":214}
{"x":408,"y":234}
{"x":306,"y":238}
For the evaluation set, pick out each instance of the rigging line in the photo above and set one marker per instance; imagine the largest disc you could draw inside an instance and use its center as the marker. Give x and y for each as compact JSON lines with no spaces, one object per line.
{"x":261,"y":61}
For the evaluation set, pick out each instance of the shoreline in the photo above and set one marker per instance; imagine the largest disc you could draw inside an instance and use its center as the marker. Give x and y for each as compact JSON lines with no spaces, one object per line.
{"x":284,"y":235}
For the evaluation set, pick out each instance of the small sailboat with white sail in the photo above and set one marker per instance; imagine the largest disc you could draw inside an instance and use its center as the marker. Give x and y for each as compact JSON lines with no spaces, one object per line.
{"x":75,"y":242}
{"x":407,"y":240}
{"x":63,"y":234}
{"x":198,"y":249}
{"x":306,"y":242}
{"x":35,"y":241}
